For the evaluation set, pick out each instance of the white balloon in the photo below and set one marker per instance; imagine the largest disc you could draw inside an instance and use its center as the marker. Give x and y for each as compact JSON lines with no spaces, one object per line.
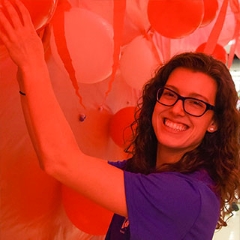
{"x":138,"y":62}
{"x":89,"y":40}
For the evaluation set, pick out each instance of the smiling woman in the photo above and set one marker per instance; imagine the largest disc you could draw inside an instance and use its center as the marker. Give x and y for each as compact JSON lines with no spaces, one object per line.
{"x":184,"y":168}
{"x":181,"y":125}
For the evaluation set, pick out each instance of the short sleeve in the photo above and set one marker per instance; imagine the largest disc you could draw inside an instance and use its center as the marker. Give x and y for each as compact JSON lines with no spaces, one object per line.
{"x":161,"y":204}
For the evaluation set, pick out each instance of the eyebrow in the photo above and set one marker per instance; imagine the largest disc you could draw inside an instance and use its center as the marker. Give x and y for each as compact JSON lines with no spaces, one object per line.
{"x":192,"y":95}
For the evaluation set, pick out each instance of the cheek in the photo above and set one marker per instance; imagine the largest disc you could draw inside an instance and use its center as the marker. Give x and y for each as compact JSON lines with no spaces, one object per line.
{"x":157,"y":109}
{"x":201,"y":127}
{"x":204,"y":122}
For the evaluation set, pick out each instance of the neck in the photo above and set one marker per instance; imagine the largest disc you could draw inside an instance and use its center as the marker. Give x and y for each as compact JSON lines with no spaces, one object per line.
{"x":168,"y":155}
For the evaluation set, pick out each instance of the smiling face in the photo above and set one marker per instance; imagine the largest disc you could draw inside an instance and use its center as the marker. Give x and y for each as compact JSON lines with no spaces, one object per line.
{"x":178,"y":132}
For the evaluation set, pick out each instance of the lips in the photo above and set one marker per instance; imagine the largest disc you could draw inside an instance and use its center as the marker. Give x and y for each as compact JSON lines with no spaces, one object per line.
{"x":175,"y":126}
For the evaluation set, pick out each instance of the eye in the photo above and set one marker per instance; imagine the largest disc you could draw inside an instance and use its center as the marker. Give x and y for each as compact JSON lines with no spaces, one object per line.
{"x":196,"y":103}
{"x":168,"y":94}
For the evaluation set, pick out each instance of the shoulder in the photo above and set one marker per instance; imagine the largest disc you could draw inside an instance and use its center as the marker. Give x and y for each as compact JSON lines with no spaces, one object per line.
{"x":167,"y":186}
{"x":169,"y":200}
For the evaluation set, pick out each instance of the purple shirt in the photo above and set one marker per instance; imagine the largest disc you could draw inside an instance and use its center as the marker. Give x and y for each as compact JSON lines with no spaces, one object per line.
{"x":167,"y":206}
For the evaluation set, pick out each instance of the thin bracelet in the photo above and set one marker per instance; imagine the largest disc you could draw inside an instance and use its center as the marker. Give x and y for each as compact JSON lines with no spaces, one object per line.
{"x":22,"y":93}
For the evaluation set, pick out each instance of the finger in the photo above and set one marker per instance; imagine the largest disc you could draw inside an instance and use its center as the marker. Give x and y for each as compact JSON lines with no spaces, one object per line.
{"x":26,"y":18}
{"x":11,"y":13}
{"x":18,"y":14}
{"x":14,"y":19}
{"x":6,"y":27}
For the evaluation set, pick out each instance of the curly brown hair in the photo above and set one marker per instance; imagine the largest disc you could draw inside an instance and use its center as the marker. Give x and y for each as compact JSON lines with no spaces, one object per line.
{"x":218,"y":152}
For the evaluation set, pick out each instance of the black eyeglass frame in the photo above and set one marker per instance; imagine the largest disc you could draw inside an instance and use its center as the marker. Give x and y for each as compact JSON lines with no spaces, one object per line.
{"x":208,"y":106}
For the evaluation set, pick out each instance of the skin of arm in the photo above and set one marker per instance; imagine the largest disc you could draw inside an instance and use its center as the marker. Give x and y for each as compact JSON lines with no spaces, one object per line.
{"x":53,"y":140}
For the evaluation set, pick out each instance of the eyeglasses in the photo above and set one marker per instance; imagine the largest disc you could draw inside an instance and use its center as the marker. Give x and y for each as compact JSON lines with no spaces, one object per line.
{"x":193,"y":106}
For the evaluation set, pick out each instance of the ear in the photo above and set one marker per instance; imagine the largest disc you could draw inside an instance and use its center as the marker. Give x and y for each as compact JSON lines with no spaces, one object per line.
{"x":213,"y":127}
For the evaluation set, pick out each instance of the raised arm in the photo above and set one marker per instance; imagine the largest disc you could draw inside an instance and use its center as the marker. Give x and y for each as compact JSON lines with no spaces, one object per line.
{"x":52,"y":137}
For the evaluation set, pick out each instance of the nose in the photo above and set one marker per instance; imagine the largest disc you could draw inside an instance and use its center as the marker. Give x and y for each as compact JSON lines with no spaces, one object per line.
{"x":177,"y":108}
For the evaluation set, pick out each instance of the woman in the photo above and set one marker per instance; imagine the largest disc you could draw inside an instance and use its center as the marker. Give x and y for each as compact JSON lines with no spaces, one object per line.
{"x":185,"y":165}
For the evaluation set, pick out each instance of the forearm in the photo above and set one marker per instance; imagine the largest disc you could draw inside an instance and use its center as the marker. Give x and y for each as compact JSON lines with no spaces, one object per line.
{"x":47,"y":126}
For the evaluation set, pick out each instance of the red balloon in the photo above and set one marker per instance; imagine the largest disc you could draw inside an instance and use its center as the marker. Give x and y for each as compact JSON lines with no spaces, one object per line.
{"x":210,"y":10}
{"x":120,"y":130}
{"x":175,"y":18}
{"x":40,"y":11}
{"x":219,"y":52}
{"x":85,"y":214}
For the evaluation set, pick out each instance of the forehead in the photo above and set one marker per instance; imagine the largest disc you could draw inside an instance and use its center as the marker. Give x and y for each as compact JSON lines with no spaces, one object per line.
{"x":192,"y":83}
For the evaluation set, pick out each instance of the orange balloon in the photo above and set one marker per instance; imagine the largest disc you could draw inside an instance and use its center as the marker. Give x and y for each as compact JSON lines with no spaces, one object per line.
{"x":120,"y":130}
{"x":85,"y":214}
{"x":210,"y":10}
{"x":175,"y":18}
{"x":219,"y":52}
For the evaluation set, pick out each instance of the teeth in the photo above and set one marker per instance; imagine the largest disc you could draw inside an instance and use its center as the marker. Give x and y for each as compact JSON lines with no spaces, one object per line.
{"x":175,"y":126}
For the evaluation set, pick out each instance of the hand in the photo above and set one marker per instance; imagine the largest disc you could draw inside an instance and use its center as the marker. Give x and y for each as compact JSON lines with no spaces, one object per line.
{"x":19,"y":35}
